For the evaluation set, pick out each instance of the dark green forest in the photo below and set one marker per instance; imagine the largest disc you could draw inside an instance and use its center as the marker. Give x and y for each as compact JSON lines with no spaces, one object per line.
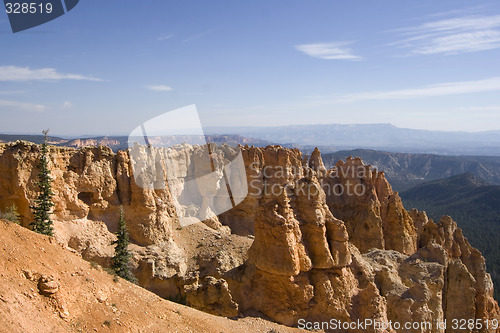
{"x":473,"y":204}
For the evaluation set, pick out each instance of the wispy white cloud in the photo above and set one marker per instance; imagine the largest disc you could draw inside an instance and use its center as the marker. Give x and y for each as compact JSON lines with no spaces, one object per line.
{"x":442,"y":89}
{"x":160,"y":87}
{"x":329,"y":51}
{"x":165,"y":37}
{"x":457,"y":24}
{"x":463,"y":42}
{"x":13,"y":73}
{"x":452,"y":36}
{"x":461,"y":11}
{"x":21,"y":105}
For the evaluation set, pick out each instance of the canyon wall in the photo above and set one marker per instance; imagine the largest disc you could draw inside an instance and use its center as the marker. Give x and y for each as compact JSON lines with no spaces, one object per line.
{"x":306,"y":243}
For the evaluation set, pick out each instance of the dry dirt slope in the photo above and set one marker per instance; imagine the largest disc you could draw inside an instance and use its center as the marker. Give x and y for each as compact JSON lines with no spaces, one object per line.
{"x":80,"y":298}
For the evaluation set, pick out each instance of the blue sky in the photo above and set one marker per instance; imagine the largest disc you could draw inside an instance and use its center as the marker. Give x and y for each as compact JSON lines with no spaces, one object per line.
{"x":107,"y":66}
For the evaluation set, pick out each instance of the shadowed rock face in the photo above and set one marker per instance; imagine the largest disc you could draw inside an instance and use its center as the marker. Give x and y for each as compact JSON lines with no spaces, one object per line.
{"x":372,"y":211}
{"x":306,"y":243}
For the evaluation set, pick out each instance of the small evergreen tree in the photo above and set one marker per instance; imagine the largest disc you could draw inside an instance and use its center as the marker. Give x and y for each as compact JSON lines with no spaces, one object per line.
{"x":122,"y":254}
{"x":43,"y":203}
{"x":10,"y":214}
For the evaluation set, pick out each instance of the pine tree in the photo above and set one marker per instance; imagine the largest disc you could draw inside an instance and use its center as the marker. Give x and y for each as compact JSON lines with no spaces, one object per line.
{"x":43,"y":203}
{"x":11,"y":214}
{"x":122,"y":254}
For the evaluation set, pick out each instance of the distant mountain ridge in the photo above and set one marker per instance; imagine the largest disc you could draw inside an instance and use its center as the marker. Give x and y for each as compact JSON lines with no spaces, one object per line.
{"x":335,"y":137}
{"x":473,"y":203}
{"x":373,"y":136}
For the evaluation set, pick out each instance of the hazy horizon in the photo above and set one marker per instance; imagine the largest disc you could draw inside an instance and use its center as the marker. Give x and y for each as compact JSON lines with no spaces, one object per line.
{"x":211,"y":130}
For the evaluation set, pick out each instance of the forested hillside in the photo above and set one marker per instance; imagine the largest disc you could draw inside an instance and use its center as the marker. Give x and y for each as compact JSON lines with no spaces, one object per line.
{"x":407,"y":170}
{"x":475,"y":206}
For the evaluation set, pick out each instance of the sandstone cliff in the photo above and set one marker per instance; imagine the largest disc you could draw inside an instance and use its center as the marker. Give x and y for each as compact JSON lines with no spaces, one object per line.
{"x":89,"y":183}
{"x":306,"y":243}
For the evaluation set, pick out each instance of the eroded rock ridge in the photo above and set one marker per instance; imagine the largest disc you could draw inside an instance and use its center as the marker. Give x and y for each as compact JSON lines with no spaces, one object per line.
{"x":306,"y":243}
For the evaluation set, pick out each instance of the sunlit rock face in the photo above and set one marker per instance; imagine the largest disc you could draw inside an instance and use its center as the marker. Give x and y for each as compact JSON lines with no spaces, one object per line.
{"x":204,"y":181}
{"x":305,"y":243}
{"x":169,"y":184}
{"x":88,"y":183}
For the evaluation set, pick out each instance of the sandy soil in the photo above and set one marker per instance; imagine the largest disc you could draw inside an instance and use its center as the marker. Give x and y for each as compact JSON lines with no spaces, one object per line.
{"x":87,"y":299}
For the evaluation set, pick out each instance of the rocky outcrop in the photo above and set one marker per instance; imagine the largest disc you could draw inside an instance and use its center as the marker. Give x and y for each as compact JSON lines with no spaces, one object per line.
{"x":412,"y":287}
{"x":267,"y":170}
{"x":306,"y":243}
{"x":89,"y":183}
{"x":211,"y":295}
{"x":372,"y":211}
{"x":325,"y":236}
{"x":91,"y":239}
{"x":468,"y":284}
{"x":278,"y":247}
{"x":93,"y":182}
{"x":409,"y":271}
